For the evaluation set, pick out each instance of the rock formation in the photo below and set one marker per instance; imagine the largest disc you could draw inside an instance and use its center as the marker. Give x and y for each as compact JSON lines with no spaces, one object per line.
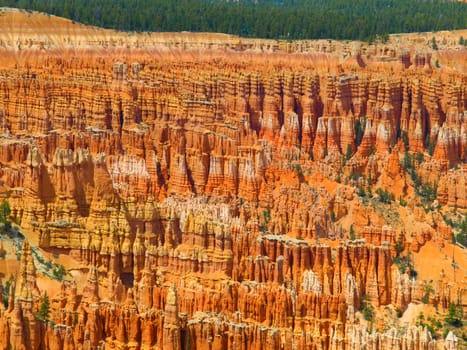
{"x":252,"y":202}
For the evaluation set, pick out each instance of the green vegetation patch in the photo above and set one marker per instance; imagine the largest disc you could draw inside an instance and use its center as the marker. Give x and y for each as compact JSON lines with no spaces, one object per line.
{"x":286,"y":19}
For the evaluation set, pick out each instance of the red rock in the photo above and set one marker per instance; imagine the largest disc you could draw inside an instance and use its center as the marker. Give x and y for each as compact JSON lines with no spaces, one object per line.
{"x":180,"y":185}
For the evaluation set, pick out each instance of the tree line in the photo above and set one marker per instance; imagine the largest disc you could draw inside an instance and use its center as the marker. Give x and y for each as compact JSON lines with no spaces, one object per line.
{"x":277,"y":19}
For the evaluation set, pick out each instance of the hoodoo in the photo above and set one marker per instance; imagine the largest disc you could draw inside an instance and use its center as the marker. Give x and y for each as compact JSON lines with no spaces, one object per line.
{"x":205,"y":191}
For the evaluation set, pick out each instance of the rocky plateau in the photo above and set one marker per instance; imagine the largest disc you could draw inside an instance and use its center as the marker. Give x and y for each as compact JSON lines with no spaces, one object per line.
{"x":204,"y":191}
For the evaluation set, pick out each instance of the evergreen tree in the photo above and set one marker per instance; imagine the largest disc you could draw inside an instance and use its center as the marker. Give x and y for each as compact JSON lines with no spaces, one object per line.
{"x":43,"y":313}
{"x":5,"y":216}
{"x":287,"y":19}
{"x":462,"y":235}
{"x":454,"y":317}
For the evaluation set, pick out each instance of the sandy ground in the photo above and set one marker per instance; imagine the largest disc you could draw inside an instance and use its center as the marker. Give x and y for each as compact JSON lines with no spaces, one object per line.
{"x":432,"y":262}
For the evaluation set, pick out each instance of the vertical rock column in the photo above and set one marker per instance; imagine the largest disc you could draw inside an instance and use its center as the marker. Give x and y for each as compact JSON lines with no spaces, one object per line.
{"x":171,"y":335}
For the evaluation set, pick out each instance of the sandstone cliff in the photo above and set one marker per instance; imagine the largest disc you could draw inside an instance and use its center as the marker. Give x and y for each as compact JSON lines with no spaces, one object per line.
{"x":239,"y":201}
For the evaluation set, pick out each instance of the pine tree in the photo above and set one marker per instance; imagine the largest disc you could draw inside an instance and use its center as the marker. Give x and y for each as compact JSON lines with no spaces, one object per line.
{"x":454,"y":317}
{"x":44,"y":310}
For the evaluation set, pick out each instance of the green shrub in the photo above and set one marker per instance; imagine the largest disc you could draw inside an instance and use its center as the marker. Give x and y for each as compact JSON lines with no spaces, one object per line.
{"x":352,"y":233}
{"x":432,"y":324}
{"x":430,"y":144}
{"x":368,"y":311}
{"x":405,"y":140}
{"x":348,"y":153}
{"x":6,"y":292}
{"x":434,"y":44}
{"x":59,"y":272}
{"x":454,"y":317}
{"x":399,"y":246}
{"x":43,"y":313}
{"x":298,"y":170}
{"x":361,"y":192}
{"x":5,"y":216}
{"x":405,"y":263}
{"x":461,"y":237}
{"x":384,"y":196}
{"x":426,"y":296}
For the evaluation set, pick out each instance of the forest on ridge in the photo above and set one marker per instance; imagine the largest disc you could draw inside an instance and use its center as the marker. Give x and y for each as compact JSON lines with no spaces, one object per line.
{"x":286,"y":19}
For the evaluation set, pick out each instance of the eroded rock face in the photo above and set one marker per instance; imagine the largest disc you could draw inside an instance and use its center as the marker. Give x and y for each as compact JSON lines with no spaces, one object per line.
{"x":224,"y":204}
{"x":452,"y":186}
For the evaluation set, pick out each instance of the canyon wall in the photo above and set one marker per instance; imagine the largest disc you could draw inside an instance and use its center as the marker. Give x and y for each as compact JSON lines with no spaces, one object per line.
{"x":228,"y":202}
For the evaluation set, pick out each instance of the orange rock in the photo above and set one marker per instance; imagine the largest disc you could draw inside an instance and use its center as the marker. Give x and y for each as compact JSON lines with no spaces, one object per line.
{"x":180,"y":185}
